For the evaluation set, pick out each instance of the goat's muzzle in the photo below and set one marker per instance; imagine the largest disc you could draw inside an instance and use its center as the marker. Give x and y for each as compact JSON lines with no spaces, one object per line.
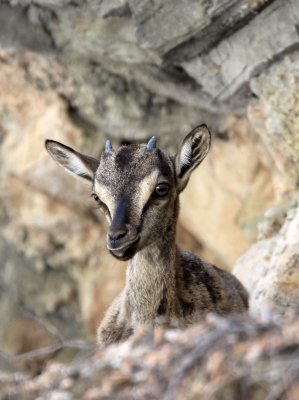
{"x":122,"y":236}
{"x":122,"y":241}
{"x":125,"y":251}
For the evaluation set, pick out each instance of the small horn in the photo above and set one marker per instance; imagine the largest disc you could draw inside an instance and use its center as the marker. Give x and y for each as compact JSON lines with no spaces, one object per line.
{"x":152,"y":143}
{"x":108,"y":146}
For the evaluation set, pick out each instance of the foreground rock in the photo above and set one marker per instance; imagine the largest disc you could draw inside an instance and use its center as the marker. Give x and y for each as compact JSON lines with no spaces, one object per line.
{"x":222,"y":358}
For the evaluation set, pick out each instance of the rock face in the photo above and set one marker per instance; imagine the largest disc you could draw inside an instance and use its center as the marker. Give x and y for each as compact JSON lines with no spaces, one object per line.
{"x":83,"y":71}
{"x":260,"y":156}
{"x":270,"y":269}
{"x":276,"y":120}
{"x":216,"y":209}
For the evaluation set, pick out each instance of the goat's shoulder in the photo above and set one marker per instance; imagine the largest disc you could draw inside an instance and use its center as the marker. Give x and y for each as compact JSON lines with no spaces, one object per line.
{"x":195,"y":270}
{"x":220,"y":288}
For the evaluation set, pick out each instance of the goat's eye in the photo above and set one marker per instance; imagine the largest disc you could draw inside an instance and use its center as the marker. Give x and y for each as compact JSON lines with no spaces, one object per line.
{"x":161,"y":189}
{"x":95,"y":197}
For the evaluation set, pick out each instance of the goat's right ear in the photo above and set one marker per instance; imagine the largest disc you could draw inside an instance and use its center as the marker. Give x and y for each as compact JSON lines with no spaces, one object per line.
{"x":77,"y":164}
{"x":192,"y":151}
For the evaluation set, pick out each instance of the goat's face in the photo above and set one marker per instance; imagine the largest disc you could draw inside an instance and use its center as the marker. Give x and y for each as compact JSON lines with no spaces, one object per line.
{"x":137,"y":187}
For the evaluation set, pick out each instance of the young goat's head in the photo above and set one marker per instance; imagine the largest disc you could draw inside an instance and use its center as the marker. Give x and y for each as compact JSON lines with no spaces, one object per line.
{"x":136,"y":186}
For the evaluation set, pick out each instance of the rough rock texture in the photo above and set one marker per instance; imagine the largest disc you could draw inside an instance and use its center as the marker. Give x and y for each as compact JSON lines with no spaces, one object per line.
{"x":214,"y":203}
{"x":82,"y":71}
{"x":255,"y":168}
{"x":270,"y":269}
{"x":226,"y":69}
{"x":221,"y":359}
{"x":276,"y":120}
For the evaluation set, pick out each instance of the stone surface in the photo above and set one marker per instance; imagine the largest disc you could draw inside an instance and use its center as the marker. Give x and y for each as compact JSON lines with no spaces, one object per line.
{"x":226,"y":196}
{"x":276,"y":119}
{"x":198,"y":24}
{"x":127,"y":39}
{"x":270,"y":268}
{"x":226,"y":70}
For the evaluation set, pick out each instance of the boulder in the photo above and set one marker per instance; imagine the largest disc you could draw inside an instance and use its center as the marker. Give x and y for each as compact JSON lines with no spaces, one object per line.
{"x":270,"y":268}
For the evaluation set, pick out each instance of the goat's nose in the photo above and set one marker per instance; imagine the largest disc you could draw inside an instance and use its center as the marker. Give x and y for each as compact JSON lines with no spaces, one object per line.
{"x":117,"y":232}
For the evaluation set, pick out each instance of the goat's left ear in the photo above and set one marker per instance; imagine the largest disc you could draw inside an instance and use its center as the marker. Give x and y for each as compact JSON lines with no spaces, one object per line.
{"x":192,"y":151}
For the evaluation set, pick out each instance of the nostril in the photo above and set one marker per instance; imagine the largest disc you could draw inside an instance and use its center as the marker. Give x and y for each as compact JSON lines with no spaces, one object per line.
{"x":116,"y":233}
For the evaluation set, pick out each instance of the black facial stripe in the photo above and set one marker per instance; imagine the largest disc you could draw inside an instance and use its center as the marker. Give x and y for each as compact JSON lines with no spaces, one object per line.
{"x":164,"y":166}
{"x":120,"y":216}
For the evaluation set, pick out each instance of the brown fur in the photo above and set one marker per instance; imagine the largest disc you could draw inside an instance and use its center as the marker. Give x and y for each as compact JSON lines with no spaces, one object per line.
{"x":164,"y":284}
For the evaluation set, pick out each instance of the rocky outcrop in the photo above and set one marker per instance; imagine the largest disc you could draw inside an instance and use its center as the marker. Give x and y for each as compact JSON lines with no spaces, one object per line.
{"x":275,"y":119}
{"x":255,"y":168}
{"x":270,"y":269}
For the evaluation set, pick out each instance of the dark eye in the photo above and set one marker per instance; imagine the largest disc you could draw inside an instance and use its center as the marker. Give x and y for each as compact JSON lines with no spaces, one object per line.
{"x":161,"y":189}
{"x":95,"y":197}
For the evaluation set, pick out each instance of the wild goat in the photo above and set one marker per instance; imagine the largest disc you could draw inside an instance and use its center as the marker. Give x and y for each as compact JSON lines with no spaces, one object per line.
{"x":137,"y":188}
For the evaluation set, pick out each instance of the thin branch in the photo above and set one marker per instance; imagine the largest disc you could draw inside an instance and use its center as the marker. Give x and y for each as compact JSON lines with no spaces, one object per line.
{"x":41,"y":321}
{"x":30,"y":355}
{"x":47,"y":350}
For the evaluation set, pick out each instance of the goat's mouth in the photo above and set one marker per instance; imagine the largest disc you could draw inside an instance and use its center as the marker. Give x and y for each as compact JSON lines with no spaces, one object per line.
{"x":125,"y":251}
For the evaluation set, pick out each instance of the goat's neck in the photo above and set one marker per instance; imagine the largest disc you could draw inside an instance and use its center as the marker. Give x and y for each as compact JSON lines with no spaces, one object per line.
{"x":151,"y":280}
